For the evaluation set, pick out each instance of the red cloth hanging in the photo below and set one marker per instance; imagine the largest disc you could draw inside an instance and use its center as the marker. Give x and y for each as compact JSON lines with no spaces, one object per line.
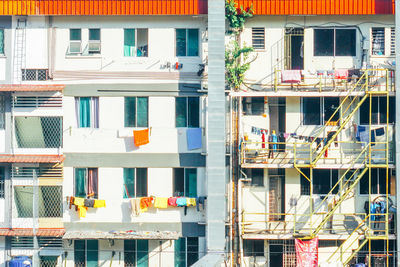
{"x":307,"y":252}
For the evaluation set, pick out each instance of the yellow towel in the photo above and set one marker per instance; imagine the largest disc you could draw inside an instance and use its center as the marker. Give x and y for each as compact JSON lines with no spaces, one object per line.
{"x":191,"y":201}
{"x":79,"y":201}
{"x":82,"y":211}
{"x":161,"y":203}
{"x":99,"y":203}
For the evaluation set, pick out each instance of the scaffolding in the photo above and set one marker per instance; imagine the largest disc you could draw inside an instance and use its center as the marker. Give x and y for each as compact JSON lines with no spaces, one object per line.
{"x":358,"y":158}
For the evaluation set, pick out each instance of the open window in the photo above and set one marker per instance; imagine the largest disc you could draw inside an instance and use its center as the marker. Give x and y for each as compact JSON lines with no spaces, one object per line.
{"x":86,"y":182}
{"x":136,"y":42}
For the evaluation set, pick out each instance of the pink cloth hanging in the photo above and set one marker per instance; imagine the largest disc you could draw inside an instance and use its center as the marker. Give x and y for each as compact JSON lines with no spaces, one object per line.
{"x":341,"y":74}
{"x":291,"y":76}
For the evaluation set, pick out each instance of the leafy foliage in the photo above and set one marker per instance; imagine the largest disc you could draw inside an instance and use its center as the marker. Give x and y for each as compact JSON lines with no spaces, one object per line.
{"x":237,"y":15}
{"x":235,"y":69}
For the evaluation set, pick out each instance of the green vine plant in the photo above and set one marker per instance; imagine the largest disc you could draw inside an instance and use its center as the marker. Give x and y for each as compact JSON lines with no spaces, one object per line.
{"x":237,"y":60}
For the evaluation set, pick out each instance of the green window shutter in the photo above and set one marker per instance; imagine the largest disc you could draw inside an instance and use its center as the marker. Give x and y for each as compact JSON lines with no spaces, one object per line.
{"x":129,"y":252}
{"x":142,"y":111}
{"x":194,"y":112}
{"x":80,"y":182}
{"x":79,"y":252}
{"x":180,"y":42}
{"x":180,"y":255}
{"x":130,"y":111}
{"x":129,"y":42}
{"x":129,"y":183}
{"x":75,"y":34}
{"x":142,"y":253}
{"x":92,"y":253}
{"x":193,"y":42}
{"x":84,"y":112}
{"x":1,"y":41}
{"x":180,"y":109}
{"x":191,"y":182}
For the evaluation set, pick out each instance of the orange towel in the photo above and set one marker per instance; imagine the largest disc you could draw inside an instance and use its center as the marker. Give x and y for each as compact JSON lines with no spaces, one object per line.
{"x":141,"y":137}
{"x":145,"y":202}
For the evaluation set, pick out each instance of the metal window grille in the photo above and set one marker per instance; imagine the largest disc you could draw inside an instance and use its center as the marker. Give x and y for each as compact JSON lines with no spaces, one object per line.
{"x":392,"y":41}
{"x":50,"y":242}
{"x":38,"y":132}
{"x":36,"y":101}
{"x":22,"y":242}
{"x":48,"y":261}
{"x":2,"y":187}
{"x":35,"y":74}
{"x":378,"y":41}
{"x":258,"y":38}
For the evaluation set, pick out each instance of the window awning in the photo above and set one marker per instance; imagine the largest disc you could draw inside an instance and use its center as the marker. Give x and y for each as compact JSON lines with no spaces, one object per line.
{"x":29,"y":232}
{"x":31,"y":88}
{"x":9,"y":158}
{"x":155,"y":235}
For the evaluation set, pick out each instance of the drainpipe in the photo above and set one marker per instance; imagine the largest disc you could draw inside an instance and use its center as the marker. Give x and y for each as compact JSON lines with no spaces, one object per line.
{"x":397,"y":127}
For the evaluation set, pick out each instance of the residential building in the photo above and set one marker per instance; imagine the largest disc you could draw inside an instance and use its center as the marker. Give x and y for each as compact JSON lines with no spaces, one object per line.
{"x":315,"y":123}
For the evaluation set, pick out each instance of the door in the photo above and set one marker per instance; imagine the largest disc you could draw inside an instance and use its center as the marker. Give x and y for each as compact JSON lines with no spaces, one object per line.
{"x":294,"y":48}
{"x":276,"y":194}
{"x":277,"y":118}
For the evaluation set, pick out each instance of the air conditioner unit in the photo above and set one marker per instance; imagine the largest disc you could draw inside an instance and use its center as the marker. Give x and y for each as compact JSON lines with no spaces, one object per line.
{"x":75,"y":47}
{"x":94,"y":47}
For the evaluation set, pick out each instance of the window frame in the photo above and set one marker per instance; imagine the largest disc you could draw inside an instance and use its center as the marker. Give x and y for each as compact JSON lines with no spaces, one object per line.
{"x":75,"y":41}
{"x":187,"y":42}
{"x":135,"y":251}
{"x":135,"y":112}
{"x":2,"y":42}
{"x":261,"y":38}
{"x":334,"y":54}
{"x":96,"y":196}
{"x":378,"y":107}
{"x":94,"y":112}
{"x":392,"y":41}
{"x":126,"y":194}
{"x":382,"y":49}
{"x":322,"y":111}
{"x":185,"y":178}
{"x":2,"y":182}
{"x":365,"y":179}
{"x":187,"y":115}
{"x":94,"y":42}
{"x":332,"y":182}
{"x":136,"y":42}
{"x":187,"y":251}
{"x":85,"y":251}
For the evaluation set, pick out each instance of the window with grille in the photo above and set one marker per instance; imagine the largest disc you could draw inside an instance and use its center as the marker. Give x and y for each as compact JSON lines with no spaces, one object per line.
{"x":186,"y":251}
{"x":378,"y":41}
{"x":136,"y":253}
{"x":35,"y":74}
{"x":323,"y":181}
{"x":22,"y":242}
{"x":50,"y":242}
{"x":258,"y":38}
{"x":48,"y":261}
{"x":392,"y":41}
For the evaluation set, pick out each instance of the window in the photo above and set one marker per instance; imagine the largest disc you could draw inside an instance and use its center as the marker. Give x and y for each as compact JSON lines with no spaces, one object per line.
{"x":136,"y":111}
{"x":87,"y":112}
{"x":316,"y":110}
{"x":38,"y":132}
{"x":94,"y":41}
{"x":378,"y":113}
{"x":1,"y":41}
{"x":253,"y":248}
{"x":35,"y":74}
{"x":133,"y":37}
{"x":86,"y":253}
{"x":136,"y":253}
{"x":75,"y":41}
{"x":86,"y":182}
{"x":186,"y":251}
{"x":378,"y":182}
{"x":253,"y":105}
{"x":185,"y":182}
{"x":135,"y":182}
{"x":2,"y":111}
{"x":334,"y":42}
{"x":323,"y":181}
{"x":256,"y":176}
{"x":187,"y":112}
{"x":258,"y":38}
{"x":2,"y":182}
{"x":378,"y":41}
{"x":392,"y":41}
{"x":187,"y":42}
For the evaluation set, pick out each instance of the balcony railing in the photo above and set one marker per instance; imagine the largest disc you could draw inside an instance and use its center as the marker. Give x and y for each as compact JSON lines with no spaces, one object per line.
{"x":43,"y":171}
{"x":37,"y":101}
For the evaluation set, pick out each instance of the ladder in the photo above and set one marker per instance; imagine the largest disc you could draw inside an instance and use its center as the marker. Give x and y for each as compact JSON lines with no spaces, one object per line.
{"x":19,"y":59}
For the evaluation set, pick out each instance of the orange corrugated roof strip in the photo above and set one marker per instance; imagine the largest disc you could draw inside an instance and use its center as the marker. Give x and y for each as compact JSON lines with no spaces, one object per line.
{"x":103,"y":7}
{"x":319,"y":7}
